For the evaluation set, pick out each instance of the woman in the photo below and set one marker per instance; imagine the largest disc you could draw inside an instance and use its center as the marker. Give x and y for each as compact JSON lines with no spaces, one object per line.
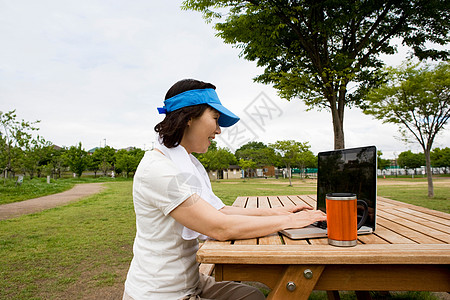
{"x":175,"y":205}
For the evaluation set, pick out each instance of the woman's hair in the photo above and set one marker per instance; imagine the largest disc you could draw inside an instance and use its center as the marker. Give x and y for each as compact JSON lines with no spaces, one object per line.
{"x":171,"y":129}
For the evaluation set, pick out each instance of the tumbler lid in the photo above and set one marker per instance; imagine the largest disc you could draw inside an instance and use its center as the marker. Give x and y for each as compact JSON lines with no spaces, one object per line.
{"x":341,"y":196}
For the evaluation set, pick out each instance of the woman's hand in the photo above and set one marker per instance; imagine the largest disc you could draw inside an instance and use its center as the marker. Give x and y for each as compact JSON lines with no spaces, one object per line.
{"x":289,"y":210}
{"x":306,"y":217}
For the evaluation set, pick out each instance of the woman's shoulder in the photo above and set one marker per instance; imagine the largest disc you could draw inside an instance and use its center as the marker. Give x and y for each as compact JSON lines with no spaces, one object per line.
{"x":155,"y":154}
{"x":155,"y":161}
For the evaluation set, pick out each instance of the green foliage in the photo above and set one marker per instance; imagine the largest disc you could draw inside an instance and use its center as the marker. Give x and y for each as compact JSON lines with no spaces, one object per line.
{"x":247,"y":165}
{"x":76,"y":159}
{"x":15,"y":136}
{"x":306,"y":159}
{"x":440,"y":157}
{"x":22,"y":153}
{"x":223,"y":159}
{"x":382,"y":163}
{"x":407,"y":159}
{"x":293,"y":153}
{"x":312,"y":50}
{"x":216,"y":158}
{"x":259,"y":153}
{"x":103,"y":159}
{"x":37,"y":157}
{"x":417,"y":98}
{"x":128,"y":161}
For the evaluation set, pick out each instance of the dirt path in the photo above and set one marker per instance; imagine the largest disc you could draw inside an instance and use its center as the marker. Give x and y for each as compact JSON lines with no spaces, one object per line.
{"x":79,"y":191}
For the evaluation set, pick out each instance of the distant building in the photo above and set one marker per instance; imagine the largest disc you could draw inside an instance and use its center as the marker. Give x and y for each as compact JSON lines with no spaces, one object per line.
{"x":233,"y":172}
{"x":91,"y":151}
{"x":269,"y":171}
{"x":128,"y":148}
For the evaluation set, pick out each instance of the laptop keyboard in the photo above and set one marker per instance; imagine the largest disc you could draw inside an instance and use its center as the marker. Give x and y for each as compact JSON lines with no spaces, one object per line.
{"x":320,"y":224}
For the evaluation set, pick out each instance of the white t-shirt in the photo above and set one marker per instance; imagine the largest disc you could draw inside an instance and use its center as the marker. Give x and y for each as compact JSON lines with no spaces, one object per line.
{"x":196,"y":177}
{"x":164,"y":264}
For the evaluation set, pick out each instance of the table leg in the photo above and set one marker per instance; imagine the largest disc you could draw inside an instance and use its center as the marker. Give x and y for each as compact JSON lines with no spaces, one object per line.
{"x":333,"y":295}
{"x":297,"y":282}
{"x":363,"y":295}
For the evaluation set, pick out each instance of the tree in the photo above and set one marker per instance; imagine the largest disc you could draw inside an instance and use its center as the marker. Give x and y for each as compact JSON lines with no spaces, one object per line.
{"x":440,"y":158}
{"x":92,"y":164}
{"x":381,"y":162}
{"x":125,"y":162}
{"x":289,"y":153}
{"x":315,"y":50}
{"x":247,"y":165}
{"x":128,"y":160}
{"x":223,"y":159}
{"x":409,"y":160}
{"x":138,"y":153}
{"x":37,"y":155}
{"x":14,"y":135}
{"x":76,"y":159}
{"x":258,"y":152}
{"x":216,"y":158}
{"x":57,"y":160}
{"x":306,"y":159}
{"x":417,"y":98}
{"x":104,"y":157}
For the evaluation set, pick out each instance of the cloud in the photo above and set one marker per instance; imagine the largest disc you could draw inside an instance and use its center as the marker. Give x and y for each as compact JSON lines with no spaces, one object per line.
{"x":96,"y":70}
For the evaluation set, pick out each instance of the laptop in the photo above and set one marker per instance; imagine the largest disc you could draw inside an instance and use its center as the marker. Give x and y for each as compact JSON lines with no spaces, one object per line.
{"x":347,"y":170}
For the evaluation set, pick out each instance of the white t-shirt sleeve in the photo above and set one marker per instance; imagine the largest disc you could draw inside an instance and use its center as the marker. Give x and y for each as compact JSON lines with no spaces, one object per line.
{"x":166,"y":189}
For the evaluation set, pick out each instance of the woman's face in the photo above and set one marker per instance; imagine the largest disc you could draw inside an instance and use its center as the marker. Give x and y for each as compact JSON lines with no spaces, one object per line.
{"x":200,"y":131}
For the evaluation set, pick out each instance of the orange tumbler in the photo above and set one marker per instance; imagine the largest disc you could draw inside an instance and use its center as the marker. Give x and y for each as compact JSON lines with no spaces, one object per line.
{"x":342,"y":222}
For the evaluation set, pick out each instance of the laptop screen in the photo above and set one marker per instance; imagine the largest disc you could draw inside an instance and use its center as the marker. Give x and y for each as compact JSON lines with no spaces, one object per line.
{"x":349,"y":171}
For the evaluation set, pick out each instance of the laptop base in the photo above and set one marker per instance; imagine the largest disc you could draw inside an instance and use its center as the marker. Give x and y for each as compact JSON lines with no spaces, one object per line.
{"x":311,"y":232}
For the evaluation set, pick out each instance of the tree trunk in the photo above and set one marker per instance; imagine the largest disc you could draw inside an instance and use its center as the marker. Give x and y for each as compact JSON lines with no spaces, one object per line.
{"x":337,"y":115}
{"x":338,"y":129}
{"x":288,"y":169}
{"x":429,"y":175}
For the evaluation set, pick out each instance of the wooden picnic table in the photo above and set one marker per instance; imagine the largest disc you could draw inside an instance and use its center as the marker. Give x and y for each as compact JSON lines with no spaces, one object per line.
{"x":409,"y":251}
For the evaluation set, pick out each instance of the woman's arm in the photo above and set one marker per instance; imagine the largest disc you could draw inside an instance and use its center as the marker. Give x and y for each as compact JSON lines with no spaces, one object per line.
{"x":233,"y":210}
{"x":197,"y":214}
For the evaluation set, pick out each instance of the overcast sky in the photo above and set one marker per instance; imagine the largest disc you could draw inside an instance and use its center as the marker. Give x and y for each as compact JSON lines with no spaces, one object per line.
{"x":95,"y":71}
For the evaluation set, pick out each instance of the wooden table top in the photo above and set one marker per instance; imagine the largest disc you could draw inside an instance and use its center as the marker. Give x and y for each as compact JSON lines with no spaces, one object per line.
{"x":405,"y":234}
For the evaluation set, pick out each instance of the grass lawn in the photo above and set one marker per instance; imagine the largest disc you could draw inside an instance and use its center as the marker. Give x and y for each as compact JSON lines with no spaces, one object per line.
{"x":70,"y":252}
{"x":83,"y":250}
{"x":38,"y":187}
{"x":415,"y":191}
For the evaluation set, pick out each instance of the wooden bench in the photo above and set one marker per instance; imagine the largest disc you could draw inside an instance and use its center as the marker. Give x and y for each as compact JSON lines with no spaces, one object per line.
{"x":206,"y":269}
